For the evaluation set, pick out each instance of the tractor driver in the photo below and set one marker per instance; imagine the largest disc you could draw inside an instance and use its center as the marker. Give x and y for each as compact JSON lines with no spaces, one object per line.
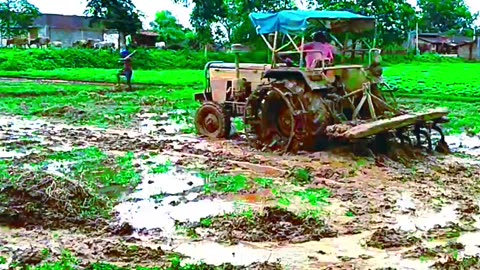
{"x":322,"y":50}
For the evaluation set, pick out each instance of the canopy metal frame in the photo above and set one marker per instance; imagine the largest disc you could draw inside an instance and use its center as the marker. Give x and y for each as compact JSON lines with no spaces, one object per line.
{"x":292,"y":39}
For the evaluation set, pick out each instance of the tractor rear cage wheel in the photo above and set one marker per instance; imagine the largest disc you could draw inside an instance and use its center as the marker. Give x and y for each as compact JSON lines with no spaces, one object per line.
{"x":255,"y":123}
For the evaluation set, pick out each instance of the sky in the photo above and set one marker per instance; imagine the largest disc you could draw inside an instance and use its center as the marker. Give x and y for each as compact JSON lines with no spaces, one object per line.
{"x":150,"y":7}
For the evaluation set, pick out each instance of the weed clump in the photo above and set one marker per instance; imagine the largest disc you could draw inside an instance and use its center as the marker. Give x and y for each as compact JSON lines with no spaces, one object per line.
{"x":64,"y":189}
{"x":272,"y":224}
{"x":39,"y":198}
{"x":389,"y":238}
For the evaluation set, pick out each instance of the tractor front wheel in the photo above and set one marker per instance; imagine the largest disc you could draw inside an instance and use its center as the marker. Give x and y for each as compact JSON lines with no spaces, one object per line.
{"x":212,"y":120}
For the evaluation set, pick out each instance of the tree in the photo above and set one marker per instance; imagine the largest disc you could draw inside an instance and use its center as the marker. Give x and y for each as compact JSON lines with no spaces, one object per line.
{"x":121,"y":15}
{"x":394,"y":17}
{"x":168,"y":28}
{"x":445,"y":15}
{"x":16,"y":16}
{"x":230,"y":17}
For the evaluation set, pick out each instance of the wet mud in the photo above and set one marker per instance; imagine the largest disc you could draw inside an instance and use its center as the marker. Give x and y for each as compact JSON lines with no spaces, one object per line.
{"x":385,"y":238}
{"x":41,"y":199}
{"x":269,"y":225}
{"x":393,"y":205}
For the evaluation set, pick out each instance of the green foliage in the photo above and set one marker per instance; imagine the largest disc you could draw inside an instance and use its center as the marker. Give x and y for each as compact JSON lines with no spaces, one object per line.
{"x":394,"y":17}
{"x":316,"y":197}
{"x":226,"y":183}
{"x":445,"y":15}
{"x":162,"y":168}
{"x":231,"y":15}
{"x":54,"y":59}
{"x":168,"y":28}
{"x":301,"y":176}
{"x":16,"y":16}
{"x":121,"y":15}
{"x":50,"y":59}
{"x":264,"y":182}
{"x":66,"y":262}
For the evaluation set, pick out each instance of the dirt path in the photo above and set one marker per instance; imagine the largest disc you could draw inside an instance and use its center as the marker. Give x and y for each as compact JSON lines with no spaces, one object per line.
{"x":58,"y":81}
{"x":383,"y":211}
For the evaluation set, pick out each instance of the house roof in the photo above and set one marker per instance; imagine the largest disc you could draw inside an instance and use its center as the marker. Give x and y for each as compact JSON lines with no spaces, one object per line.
{"x":429,"y":34}
{"x":461,"y":39}
{"x":452,"y":41}
{"x":58,"y":21}
{"x":148,"y":33}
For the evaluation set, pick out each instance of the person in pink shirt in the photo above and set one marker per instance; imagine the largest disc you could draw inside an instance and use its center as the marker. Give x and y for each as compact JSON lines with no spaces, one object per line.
{"x":322,"y":50}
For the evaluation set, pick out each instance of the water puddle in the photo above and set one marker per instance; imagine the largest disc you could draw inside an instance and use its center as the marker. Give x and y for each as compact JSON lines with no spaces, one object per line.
{"x":8,"y":154}
{"x":163,"y":124}
{"x":469,"y":145}
{"x":310,"y":255}
{"x":423,"y":220}
{"x":166,"y":195}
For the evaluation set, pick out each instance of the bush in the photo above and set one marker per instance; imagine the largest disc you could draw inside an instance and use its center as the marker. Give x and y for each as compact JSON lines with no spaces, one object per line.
{"x":148,"y":59}
{"x":48,"y":59}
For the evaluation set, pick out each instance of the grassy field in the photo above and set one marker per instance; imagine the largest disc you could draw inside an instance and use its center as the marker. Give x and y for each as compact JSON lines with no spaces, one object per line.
{"x":459,"y":80}
{"x":419,"y":86}
{"x":94,"y":105}
{"x":149,"y":77}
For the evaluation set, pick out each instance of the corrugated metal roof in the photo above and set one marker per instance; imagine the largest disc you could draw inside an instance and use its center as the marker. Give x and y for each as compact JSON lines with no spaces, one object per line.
{"x":148,"y":33}
{"x":452,"y":41}
{"x":433,"y":39}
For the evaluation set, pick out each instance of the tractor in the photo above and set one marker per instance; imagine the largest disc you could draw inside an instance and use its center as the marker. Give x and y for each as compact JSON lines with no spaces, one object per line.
{"x":287,"y":107}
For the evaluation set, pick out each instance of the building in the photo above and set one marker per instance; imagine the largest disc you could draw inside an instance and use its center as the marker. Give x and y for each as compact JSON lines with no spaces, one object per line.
{"x":470,"y":50}
{"x":146,"y":38}
{"x":440,"y":43}
{"x":65,"y":28}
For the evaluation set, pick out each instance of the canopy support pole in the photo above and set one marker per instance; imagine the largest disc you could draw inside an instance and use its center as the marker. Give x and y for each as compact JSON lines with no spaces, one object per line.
{"x":301,"y":51}
{"x":266,"y":42}
{"x":274,"y":53}
{"x":293,"y":41}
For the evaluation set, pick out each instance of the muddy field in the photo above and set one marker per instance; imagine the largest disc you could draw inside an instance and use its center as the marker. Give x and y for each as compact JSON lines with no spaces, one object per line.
{"x":150,"y":196}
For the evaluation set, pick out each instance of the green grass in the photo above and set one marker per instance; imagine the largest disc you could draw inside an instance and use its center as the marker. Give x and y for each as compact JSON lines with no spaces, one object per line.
{"x":420,"y":85}
{"x":464,"y":116}
{"x":437,"y":80}
{"x":94,"y":105}
{"x":428,"y":79}
{"x":68,"y":261}
{"x":183,"y":77}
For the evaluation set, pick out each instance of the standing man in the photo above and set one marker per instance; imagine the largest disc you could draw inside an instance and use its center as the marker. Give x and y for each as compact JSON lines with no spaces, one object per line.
{"x":127,"y":70}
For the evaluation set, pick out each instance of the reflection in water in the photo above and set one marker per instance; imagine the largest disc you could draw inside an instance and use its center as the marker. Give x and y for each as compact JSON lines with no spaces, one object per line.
{"x":167,"y":197}
{"x":464,"y":144}
{"x":429,"y":219}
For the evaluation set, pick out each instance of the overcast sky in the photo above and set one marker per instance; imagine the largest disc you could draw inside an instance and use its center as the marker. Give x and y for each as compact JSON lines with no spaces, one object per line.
{"x":149,"y":8}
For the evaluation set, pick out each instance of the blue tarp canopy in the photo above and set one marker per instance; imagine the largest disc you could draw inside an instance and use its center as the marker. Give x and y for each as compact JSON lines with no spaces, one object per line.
{"x":294,"y":21}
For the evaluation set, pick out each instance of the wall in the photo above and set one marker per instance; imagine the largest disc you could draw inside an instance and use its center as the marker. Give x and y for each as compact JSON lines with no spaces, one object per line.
{"x":68,"y":37}
{"x":464,"y":51}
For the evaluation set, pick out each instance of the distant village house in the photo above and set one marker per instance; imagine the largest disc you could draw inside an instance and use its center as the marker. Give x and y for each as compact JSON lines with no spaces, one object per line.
{"x":69,"y":29}
{"x":444,"y":44}
{"x":66,"y":29}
